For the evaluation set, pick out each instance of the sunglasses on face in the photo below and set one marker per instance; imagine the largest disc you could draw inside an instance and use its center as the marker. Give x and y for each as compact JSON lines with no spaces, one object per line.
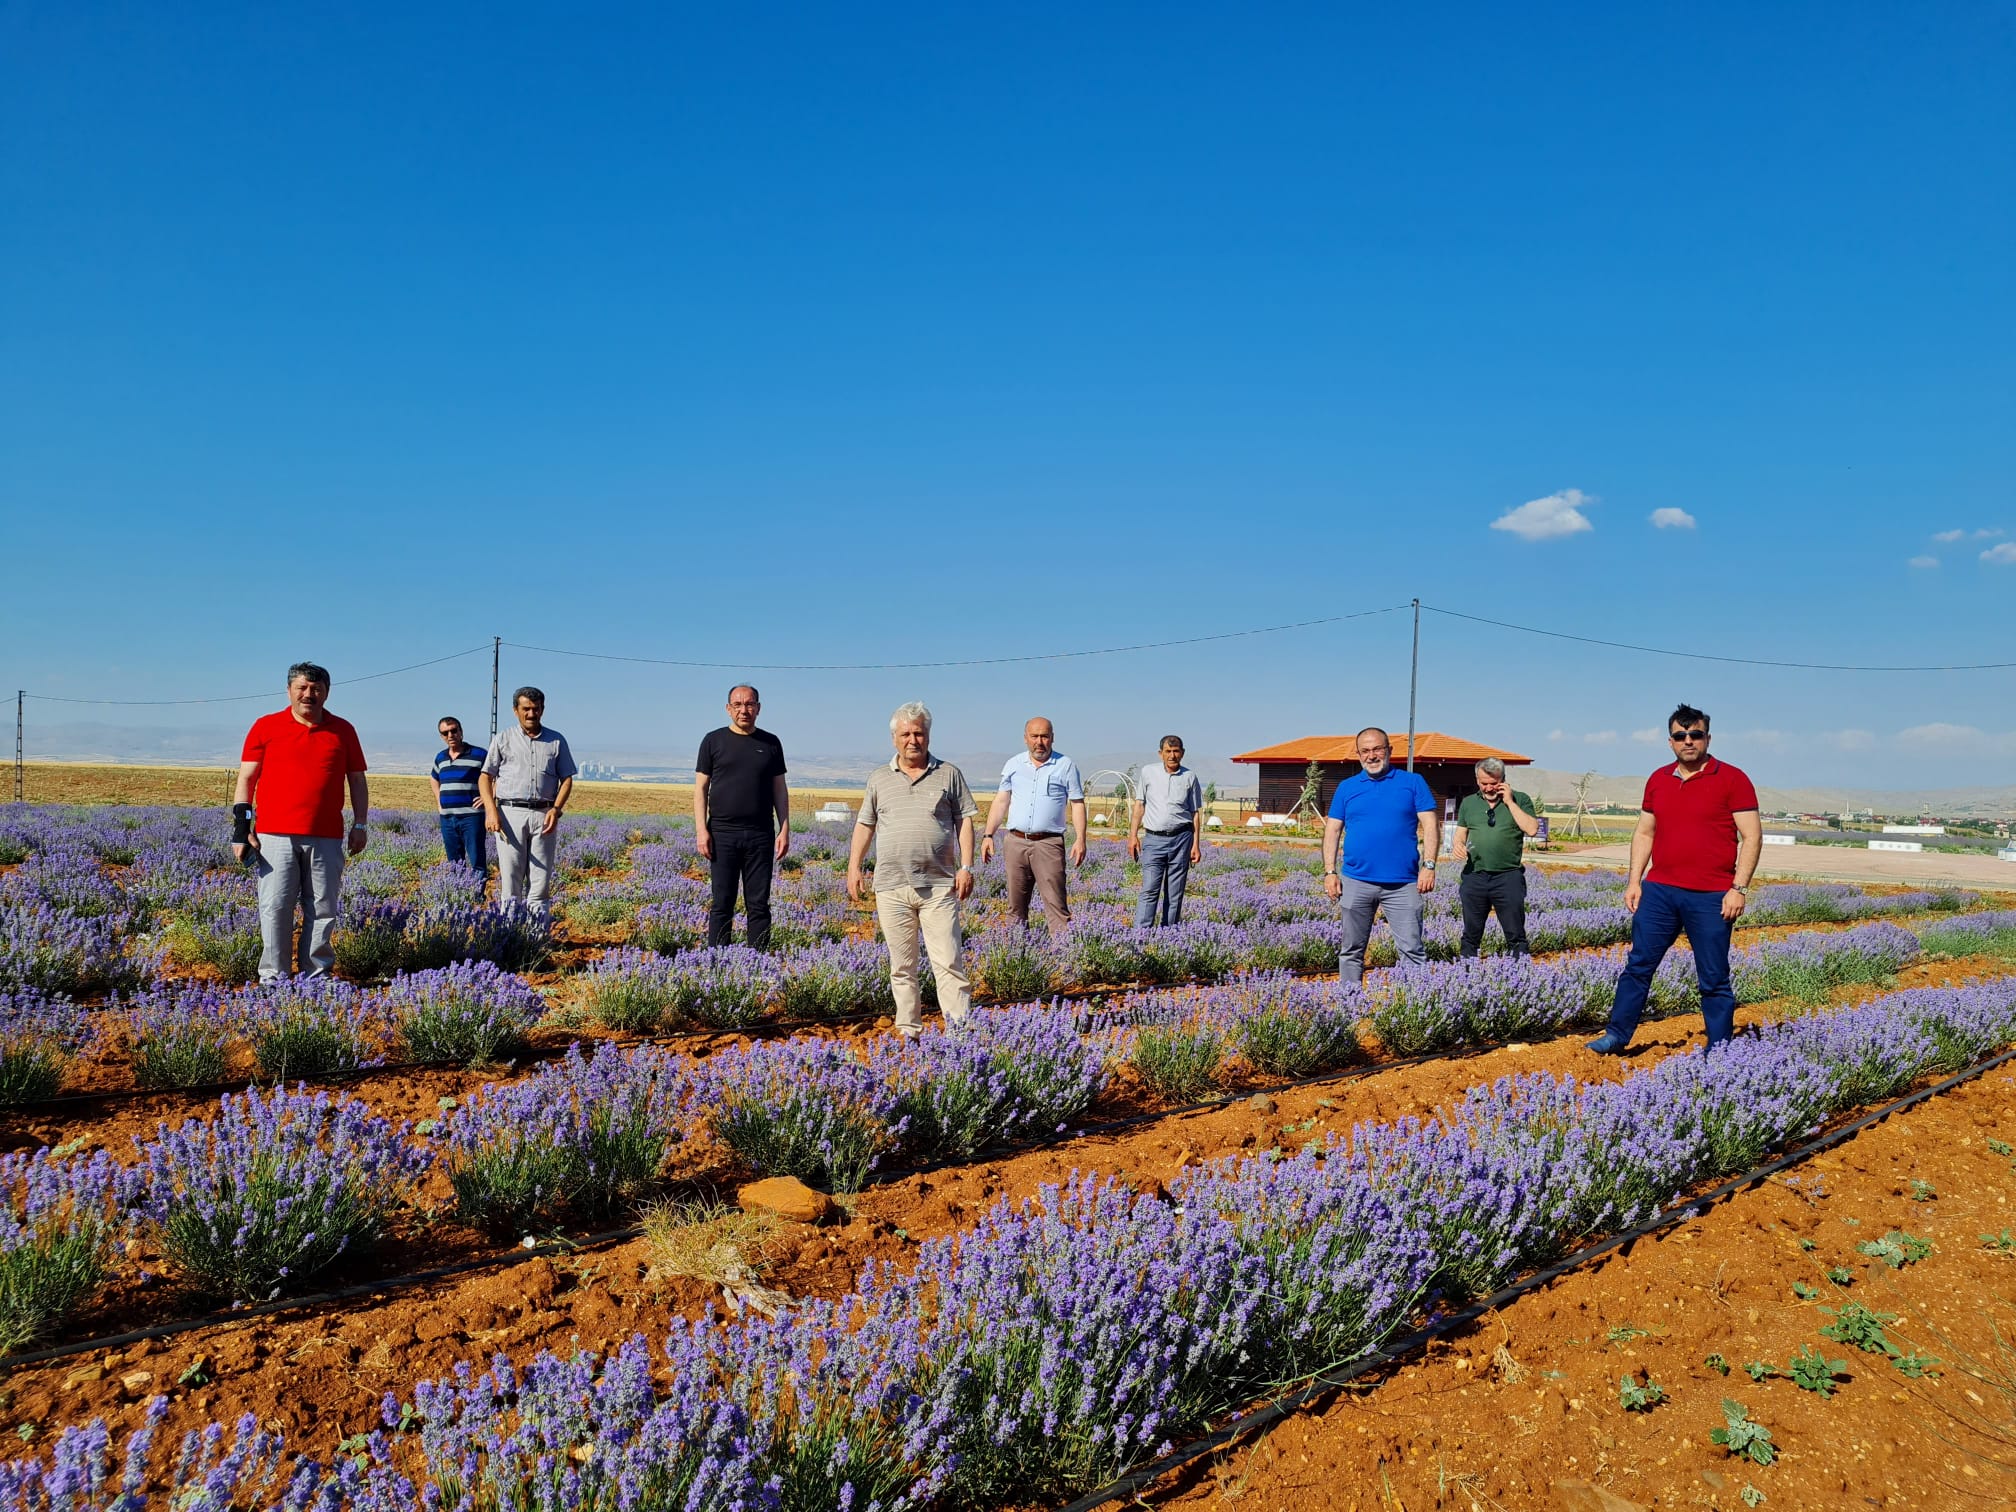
{"x":1677,"y":736}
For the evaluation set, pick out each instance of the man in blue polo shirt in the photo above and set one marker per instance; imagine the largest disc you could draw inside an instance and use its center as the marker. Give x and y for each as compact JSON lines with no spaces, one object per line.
{"x":1387,"y":822}
{"x":1040,"y":791}
{"x":454,"y":779}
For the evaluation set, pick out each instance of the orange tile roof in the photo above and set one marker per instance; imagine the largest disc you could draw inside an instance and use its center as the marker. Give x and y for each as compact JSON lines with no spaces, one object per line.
{"x":1434,"y":746}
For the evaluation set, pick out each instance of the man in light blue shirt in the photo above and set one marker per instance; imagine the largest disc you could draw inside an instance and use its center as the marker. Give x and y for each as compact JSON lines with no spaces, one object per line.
{"x":1040,"y":791}
{"x":1388,"y":824}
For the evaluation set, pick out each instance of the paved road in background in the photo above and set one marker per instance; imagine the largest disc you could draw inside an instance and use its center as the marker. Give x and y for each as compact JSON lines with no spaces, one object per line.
{"x":1834,"y":863}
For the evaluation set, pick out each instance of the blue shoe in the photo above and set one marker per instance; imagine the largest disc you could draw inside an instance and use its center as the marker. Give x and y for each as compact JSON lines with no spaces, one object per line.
{"x":1608,"y":1044}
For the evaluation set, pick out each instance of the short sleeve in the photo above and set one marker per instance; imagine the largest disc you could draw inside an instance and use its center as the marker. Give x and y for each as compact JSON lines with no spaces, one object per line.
{"x":781,"y":767}
{"x":1649,"y":803}
{"x":1527,"y":802}
{"x":353,"y":751}
{"x":1742,"y":793}
{"x":962,"y":795}
{"x":255,"y":742}
{"x":703,"y":764}
{"x":1196,"y":791}
{"x":1007,"y":775}
{"x":1075,"y":790}
{"x":1424,"y":800}
{"x":563,"y":764}
{"x":1337,"y":802}
{"x":493,"y":760}
{"x":866,"y":818}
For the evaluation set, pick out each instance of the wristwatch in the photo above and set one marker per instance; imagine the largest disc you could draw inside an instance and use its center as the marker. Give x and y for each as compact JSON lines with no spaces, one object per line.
{"x":1427,"y":866}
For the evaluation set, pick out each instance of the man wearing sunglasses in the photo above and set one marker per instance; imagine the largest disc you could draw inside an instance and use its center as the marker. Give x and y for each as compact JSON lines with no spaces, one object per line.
{"x":1701,"y":835}
{"x":1490,"y":840}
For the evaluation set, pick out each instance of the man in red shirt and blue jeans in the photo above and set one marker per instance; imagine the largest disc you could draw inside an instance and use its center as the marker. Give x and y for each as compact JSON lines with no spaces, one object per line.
{"x":289,"y":809}
{"x":1700,"y":832}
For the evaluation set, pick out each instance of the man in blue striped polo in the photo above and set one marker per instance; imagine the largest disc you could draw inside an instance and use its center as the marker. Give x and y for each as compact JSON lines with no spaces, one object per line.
{"x":454,"y":779}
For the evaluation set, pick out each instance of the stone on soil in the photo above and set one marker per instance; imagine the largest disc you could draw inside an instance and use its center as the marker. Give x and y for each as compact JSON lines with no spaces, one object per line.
{"x":788,"y":1198}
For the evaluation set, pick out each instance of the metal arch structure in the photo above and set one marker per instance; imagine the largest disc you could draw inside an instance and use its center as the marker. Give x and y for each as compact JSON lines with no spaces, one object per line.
{"x":1117,"y":824}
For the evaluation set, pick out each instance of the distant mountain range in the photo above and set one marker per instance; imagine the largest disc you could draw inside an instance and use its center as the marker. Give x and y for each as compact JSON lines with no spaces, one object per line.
{"x":218,"y":746}
{"x":1552,"y":787}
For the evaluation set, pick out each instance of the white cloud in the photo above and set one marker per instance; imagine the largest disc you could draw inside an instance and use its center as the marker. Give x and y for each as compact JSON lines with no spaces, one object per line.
{"x":1600,"y":737}
{"x":1923,"y":561}
{"x":1557,"y":734}
{"x":1651,"y":735}
{"x":1559,"y":514}
{"x":1671,"y":519}
{"x":1948,"y":537}
{"x":1960,"y":739}
{"x":2002,"y":555}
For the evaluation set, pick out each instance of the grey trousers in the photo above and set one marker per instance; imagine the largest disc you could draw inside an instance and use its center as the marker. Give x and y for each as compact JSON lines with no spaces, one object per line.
{"x":305,"y":870}
{"x":524,"y":856}
{"x":1362,"y":900}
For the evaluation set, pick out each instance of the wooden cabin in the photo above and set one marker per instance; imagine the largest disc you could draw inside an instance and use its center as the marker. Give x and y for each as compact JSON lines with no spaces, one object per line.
{"x":1447,"y":764}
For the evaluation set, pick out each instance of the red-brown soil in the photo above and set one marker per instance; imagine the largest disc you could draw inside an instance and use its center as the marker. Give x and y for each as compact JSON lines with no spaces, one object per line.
{"x":1468,"y":1426}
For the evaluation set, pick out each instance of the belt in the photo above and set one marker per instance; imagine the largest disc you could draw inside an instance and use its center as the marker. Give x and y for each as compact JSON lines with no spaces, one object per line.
{"x":1182,"y":831}
{"x":1037,"y":834}
{"x":526,"y":802}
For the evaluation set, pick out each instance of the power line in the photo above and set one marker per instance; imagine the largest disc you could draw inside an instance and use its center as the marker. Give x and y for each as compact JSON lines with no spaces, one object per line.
{"x":132,"y":703}
{"x":1745,"y":661}
{"x":974,"y":661}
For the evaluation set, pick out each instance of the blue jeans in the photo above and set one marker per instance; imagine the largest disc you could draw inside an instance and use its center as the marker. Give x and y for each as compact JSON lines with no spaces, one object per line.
{"x":1663,"y":912}
{"x":462,"y":839}
{"x":1165,"y":872}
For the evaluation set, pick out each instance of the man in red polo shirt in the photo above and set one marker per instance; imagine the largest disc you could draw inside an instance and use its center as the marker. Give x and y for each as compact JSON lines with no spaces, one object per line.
{"x":1700,"y":832}
{"x":289,"y":809}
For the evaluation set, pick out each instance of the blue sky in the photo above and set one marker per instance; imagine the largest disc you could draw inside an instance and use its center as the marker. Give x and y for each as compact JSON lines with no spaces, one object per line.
{"x":904,"y":333}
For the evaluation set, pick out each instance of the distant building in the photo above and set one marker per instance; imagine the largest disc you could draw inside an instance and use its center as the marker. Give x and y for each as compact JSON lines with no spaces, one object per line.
{"x":597,"y":771}
{"x":1446,"y":763}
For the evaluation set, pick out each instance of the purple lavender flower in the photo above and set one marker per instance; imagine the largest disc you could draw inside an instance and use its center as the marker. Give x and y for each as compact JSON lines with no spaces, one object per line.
{"x":275,"y":1188}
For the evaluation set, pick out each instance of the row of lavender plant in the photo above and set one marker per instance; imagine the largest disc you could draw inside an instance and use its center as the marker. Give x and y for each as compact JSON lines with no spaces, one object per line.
{"x":193,"y":1034}
{"x":1061,"y":1341}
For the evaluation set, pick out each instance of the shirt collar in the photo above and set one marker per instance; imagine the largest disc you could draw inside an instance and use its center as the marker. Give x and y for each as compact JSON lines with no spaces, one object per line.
{"x":931,"y":764}
{"x":1710,"y":765}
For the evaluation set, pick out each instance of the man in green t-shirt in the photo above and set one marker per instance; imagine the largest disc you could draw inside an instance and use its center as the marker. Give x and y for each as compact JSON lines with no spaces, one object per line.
{"x":1490,"y":839}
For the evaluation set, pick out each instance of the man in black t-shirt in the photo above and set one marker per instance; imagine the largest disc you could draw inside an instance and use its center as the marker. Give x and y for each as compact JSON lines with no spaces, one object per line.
{"x":738,"y":791}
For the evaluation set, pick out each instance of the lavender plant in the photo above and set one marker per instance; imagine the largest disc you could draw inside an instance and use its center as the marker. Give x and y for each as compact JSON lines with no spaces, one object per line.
{"x":181,"y":1035}
{"x":39,"y":1036}
{"x":59,"y":1222}
{"x":274,"y":1189}
{"x":804,"y":1108}
{"x":472,"y":1014}
{"x":309,"y":1026}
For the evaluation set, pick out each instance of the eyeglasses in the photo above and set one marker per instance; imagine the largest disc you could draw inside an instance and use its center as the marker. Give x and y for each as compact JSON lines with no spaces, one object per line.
{"x":1491,"y":818}
{"x":1676,"y":736}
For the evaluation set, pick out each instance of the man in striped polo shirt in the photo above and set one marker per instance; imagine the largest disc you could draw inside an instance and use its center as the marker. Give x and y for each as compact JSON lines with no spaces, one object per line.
{"x":918,"y":813}
{"x":454,"y":779}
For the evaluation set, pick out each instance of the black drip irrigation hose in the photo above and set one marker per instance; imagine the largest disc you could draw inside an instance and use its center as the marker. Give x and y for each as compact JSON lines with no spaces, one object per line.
{"x":1325,"y":1385}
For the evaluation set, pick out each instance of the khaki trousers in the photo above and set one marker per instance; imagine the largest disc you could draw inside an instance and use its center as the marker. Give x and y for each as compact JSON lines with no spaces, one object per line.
{"x":931,"y":914}
{"x":1041,"y":863}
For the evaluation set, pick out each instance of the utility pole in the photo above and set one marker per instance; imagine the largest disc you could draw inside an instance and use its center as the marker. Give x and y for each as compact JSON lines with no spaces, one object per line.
{"x":496,"y":644}
{"x":20,"y":699}
{"x":1413,"y":684}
